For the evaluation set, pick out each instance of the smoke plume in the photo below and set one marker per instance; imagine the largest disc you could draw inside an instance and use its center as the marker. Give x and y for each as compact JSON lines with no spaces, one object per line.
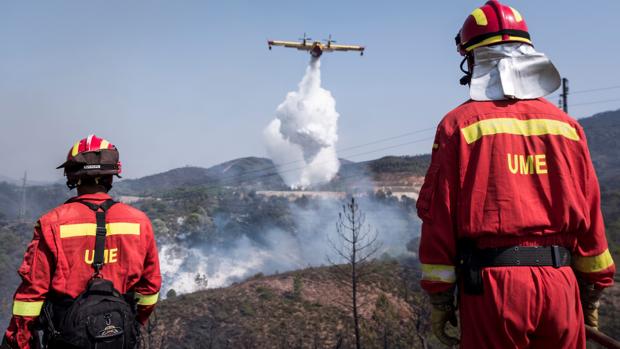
{"x":301,"y":140}
{"x":269,"y":250}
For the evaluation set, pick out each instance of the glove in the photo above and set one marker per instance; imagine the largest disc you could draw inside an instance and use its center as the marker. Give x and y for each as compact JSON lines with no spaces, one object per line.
{"x":590,"y":302}
{"x":443,"y":311}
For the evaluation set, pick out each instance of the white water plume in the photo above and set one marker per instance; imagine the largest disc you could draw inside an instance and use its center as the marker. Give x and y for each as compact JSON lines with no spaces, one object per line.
{"x":301,"y":140}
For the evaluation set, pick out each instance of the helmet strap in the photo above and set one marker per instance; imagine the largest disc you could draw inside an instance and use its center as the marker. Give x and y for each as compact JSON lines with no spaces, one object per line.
{"x":465,"y":80}
{"x":104,"y":181}
{"x":71,"y":184}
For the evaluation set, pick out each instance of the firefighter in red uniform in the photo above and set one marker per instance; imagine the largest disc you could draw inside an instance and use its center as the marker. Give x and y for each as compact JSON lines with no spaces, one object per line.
{"x":511,"y":203}
{"x":57,"y":263}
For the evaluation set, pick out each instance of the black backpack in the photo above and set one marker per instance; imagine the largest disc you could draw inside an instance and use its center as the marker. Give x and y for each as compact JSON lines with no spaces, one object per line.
{"x":100,"y":317}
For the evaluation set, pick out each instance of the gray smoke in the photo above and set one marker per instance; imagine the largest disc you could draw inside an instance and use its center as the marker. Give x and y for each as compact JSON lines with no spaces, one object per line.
{"x":279,"y":250}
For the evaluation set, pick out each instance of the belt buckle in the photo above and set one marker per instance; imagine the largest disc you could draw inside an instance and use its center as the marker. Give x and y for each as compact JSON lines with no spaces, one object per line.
{"x":555,"y":256}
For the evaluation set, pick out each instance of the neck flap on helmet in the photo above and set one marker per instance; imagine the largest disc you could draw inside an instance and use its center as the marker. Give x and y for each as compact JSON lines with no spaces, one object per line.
{"x":511,"y":71}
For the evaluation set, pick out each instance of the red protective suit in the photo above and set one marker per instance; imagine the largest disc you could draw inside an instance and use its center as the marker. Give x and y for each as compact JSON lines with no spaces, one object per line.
{"x":507,"y":173}
{"x":58,"y":261}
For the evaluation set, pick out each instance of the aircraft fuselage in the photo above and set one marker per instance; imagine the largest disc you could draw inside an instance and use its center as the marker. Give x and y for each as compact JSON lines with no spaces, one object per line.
{"x":316,"y":51}
{"x":315,"y":48}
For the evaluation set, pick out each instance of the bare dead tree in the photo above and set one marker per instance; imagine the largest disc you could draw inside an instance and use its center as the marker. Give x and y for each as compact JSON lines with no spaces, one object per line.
{"x":356,"y":245}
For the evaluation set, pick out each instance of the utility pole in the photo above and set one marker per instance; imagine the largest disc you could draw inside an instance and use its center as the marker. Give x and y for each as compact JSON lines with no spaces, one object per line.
{"x":22,"y":208}
{"x":564,"y":95}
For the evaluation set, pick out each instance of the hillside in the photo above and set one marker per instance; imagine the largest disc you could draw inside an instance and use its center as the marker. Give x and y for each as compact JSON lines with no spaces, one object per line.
{"x":253,"y":173}
{"x":603,"y":132}
{"x":38,"y":200}
{"x":9,"y":180}
{"x":250,"y":171}
{"x":302,"y":309}
{"x":309,"y":309}
{"x":389,"y":171}
{"x":14,"y":237}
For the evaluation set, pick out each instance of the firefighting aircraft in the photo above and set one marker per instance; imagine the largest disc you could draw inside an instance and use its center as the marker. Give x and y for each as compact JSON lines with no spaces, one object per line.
{"x":316,"y":48}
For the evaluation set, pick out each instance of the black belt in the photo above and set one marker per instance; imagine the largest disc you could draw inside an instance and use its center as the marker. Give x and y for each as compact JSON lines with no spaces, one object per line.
{"x":527,"y":256}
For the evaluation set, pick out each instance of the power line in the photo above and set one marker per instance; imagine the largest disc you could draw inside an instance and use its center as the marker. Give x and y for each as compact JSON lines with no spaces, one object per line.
{"x":388,"y":139}
{"x":393,"y":146}
{"x":589,"y":90}
{"x":22,"y":209}
{"x":381,"y":140}
{"x":282,"y":166}
{"x":366,"y":152}
{"x":278,"y":173}
{"x":273,"y":169}
{"x":596,"y":102}
{"x":596,"y":89}
{"x":563,"y":102}
{"x":237,"y":180}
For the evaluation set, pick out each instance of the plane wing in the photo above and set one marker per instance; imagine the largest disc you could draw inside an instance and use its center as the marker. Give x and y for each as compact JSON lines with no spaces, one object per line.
{"x":299,"y":45}
{"x":346,"y":47}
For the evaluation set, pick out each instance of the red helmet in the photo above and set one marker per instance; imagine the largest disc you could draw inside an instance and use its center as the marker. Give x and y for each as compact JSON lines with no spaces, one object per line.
{"x":91,"y":157}
{"x":491,"y":24}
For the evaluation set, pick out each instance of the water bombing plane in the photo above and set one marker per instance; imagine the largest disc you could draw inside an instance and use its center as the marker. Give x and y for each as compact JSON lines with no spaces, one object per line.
{"x":316,"y":48}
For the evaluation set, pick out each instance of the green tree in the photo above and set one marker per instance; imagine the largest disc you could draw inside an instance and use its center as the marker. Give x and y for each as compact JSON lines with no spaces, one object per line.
{"x":171,"y":293}
{"x":297,"y":287}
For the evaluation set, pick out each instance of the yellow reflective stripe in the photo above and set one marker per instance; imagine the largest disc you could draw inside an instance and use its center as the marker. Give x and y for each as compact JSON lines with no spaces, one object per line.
{"x":73,"y":230}
{"x":27,"y":308}
{"x":439,"y":272}
{"x":75,"y":149}
{"x":90,"y":229}
{"x":534,"y":127}
{"x":104,"y":144}
{"x":517,"y":15}
{"x":435,"y":146}
{"x":496,"y":39}
{"x":148,"y":299}
{"x":480,"y":17}
{"x":593,"y":264}
{"x":121,"y":228}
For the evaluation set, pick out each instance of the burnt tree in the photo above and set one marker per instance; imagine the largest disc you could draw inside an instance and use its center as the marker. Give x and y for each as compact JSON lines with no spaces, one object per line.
{"x":356,"y":244}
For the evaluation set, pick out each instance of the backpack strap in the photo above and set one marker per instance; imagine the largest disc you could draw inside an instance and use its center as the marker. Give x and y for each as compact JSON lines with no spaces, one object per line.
{"x":101,"y":230}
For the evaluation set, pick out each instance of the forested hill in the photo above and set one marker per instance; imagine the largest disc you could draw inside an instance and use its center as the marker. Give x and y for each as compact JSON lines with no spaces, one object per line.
{"x":603,"y":132}
{"x":254,"y":173}
{"x":300,"y":309}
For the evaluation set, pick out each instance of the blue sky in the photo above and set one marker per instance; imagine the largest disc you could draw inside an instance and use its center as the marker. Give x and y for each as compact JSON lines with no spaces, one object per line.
{"x":176,"y":83}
